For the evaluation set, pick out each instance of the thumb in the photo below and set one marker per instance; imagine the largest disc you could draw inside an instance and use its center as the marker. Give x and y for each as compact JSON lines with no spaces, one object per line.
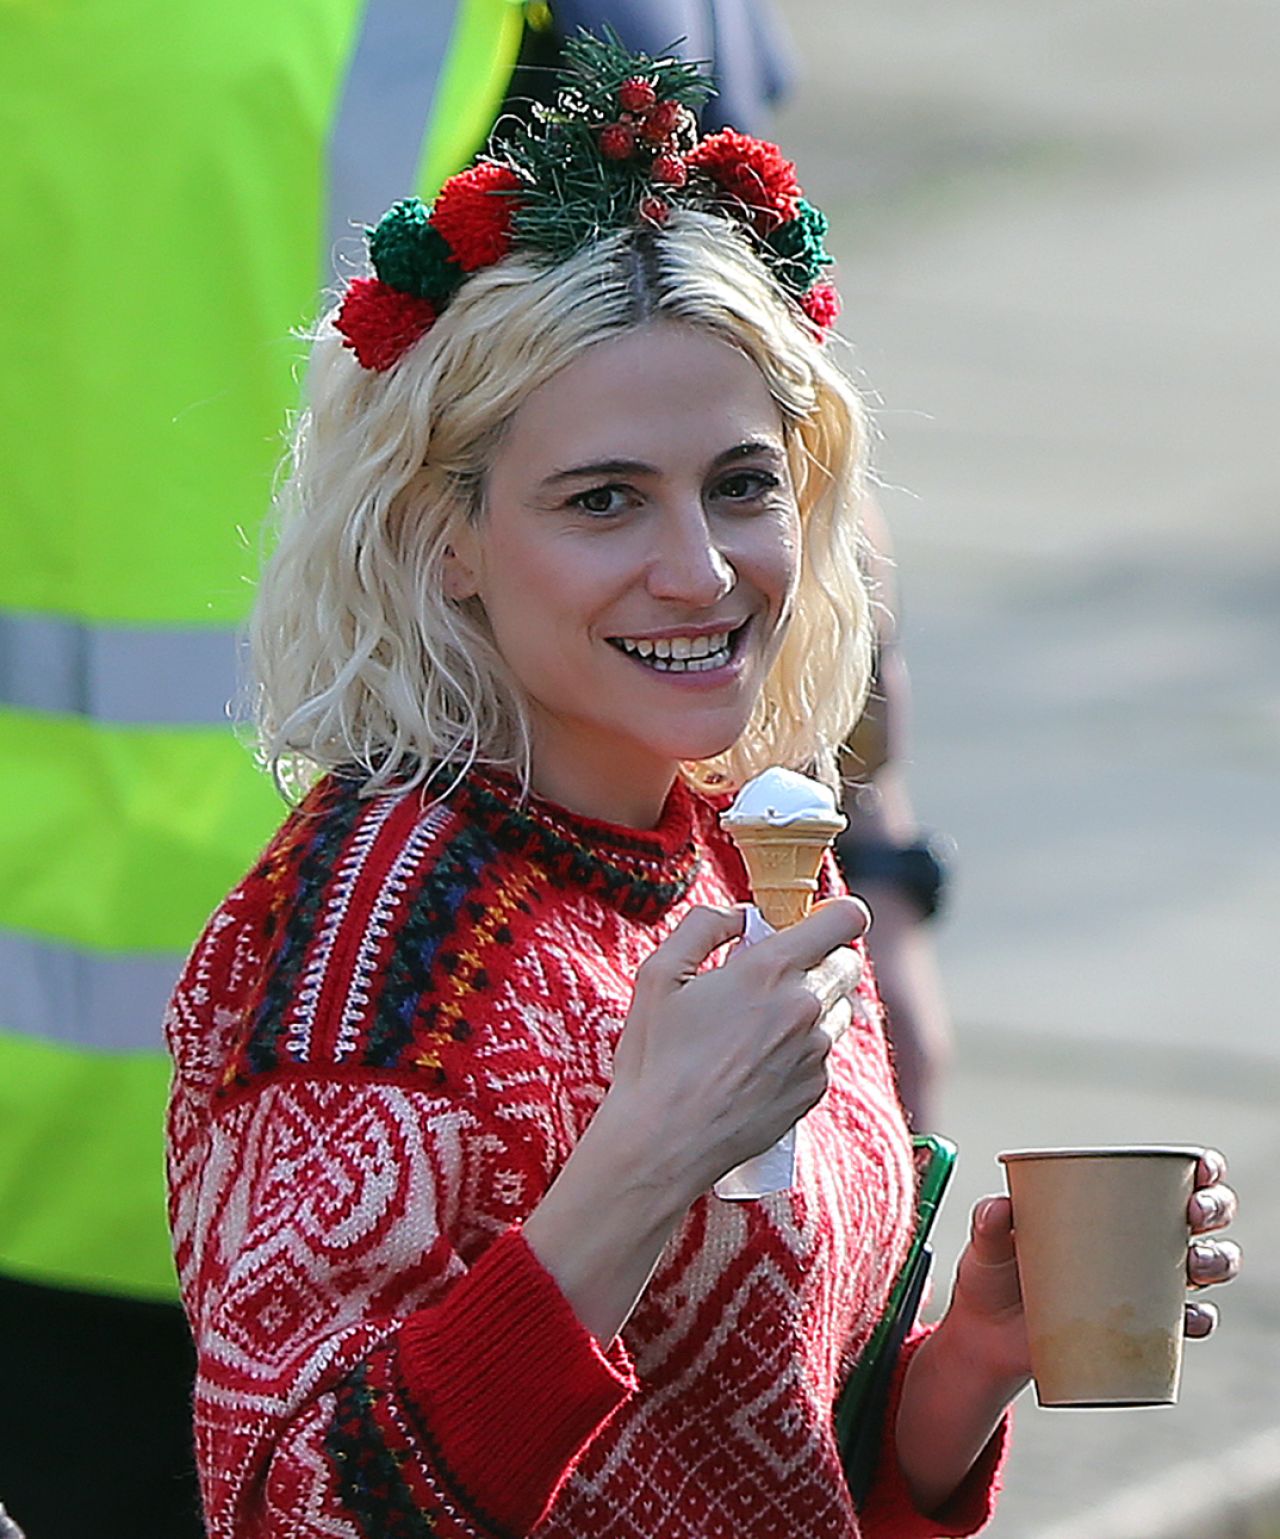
{"x":679,"y":958}
{"x":991,"y":1231}
{"x":987,"y":1277}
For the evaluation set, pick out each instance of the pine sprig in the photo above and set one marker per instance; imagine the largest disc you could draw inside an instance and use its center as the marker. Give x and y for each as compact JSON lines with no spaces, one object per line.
{"x":570,"y":190}
{"x":597,"y":67}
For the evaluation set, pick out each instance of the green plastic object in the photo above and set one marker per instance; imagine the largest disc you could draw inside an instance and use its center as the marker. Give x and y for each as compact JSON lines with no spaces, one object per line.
{"x":860,"y":1410}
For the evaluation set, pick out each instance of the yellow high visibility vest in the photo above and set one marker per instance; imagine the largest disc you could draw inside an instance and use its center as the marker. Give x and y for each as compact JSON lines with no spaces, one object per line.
{"x":177,"y":181}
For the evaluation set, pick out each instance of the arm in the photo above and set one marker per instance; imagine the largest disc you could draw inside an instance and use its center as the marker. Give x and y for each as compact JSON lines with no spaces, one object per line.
{"x":377,"y":1344}
{"x":959,"y":1384}
{"x":712,"y":1068}
{"x":878,"y":806}
{"x":380,"y":1338}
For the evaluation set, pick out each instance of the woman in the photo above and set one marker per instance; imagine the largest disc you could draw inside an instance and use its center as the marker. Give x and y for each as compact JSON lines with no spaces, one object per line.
{"x":568,"y":552}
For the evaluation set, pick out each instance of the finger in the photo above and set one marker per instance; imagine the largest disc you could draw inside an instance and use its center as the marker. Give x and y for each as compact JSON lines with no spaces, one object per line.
{"x":1200,"y":1319}
{"x":991,"y":1231}
{"x":1211,"y":1168}
{"x":686,"y":949}
{"x":836,"y":976}
{"x":1213,"y":1261}
{"x":833,"y":923}
{"x":1212,"y":1207}
{"x":835,"y":1020}
{"x":854,"y":898}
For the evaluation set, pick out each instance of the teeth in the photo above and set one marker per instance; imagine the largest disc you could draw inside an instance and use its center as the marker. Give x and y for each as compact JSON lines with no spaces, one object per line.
{"x":682,"y":654}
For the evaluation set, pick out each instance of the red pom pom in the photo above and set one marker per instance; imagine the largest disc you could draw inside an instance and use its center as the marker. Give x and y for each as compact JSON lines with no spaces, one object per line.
{"x":752,"y":173}
{"x":662,"y":122}
{"x":637,"y":94}
{"x":822,"y":305}
{"x":654,"y":210}
{"x":474,"y":212}
{"x":670,"y":170}
{"x":617,"y":141}
{"x":379,"y":323}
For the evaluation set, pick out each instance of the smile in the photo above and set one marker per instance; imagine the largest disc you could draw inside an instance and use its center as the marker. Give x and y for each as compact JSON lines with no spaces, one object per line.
{"x":682,"y":654}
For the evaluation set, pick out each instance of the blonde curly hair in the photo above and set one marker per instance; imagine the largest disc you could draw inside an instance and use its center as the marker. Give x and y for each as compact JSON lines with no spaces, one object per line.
{"x":358,"y":659}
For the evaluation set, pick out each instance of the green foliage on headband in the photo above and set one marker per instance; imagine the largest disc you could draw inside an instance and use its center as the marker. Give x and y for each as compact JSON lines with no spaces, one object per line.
{"x":571,"y":192}
{"x":411,"y":255}
{"x":799,"y":254}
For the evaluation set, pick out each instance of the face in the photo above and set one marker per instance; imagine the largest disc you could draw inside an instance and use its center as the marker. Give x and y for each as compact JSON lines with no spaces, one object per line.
{"x":636,"y":559}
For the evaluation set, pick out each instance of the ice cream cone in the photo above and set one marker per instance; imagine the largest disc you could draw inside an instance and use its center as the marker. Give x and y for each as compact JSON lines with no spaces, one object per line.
{"x":783,"y":862}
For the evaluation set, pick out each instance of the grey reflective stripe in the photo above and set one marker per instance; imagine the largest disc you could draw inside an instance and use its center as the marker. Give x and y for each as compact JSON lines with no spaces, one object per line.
{"x":63,"y":994}
{"x":158,"y":677}
{"x":376,"y":141}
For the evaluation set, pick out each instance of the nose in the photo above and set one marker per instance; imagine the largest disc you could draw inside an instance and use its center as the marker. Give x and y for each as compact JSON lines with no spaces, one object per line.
{"x":688,"y":566}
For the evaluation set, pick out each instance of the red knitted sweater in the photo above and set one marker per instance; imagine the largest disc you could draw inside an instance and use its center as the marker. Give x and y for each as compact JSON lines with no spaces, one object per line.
{"x":387,"y":1041}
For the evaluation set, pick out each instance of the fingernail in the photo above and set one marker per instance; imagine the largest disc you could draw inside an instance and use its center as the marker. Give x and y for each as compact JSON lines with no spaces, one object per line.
{"x":1207,"y":1262}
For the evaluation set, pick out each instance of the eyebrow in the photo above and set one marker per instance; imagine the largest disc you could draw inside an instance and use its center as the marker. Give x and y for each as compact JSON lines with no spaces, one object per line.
{"x":763,"y":446}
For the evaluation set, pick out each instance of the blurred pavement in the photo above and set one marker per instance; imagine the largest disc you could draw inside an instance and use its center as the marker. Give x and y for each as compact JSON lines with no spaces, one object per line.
{"x":1057,"y":232}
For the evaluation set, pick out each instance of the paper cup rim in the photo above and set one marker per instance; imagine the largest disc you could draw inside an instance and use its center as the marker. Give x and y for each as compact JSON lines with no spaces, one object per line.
{"x":1128,"y":1151}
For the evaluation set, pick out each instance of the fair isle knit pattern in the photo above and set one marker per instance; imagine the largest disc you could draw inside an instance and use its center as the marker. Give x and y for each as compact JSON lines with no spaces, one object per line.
{"x":387,"y":1042}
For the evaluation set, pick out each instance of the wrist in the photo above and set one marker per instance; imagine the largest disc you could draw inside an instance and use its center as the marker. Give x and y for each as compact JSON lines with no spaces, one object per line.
{"x":917,"y":868}
{"x":960,"y":1350}
{"x":603,"y":1223}
{"x":659,"y":1170}
{"x":952,"y":1405}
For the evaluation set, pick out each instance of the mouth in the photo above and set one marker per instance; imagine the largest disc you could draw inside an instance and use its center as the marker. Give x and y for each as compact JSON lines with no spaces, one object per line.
{"x":683,"y":654}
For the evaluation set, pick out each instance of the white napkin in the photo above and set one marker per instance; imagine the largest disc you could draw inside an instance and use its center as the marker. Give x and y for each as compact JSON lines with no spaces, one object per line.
{"x":773,"y":1170}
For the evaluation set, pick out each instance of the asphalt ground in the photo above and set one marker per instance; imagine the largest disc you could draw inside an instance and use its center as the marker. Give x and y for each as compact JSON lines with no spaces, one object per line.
{"x":1057,"y":229}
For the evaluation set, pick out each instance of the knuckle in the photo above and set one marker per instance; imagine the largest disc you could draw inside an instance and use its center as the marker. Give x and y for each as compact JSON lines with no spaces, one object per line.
{"x":650,"y":970}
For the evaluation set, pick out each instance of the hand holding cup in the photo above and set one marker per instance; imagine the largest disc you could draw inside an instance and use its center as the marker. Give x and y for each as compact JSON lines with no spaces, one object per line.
{"x":1086,"y":1269}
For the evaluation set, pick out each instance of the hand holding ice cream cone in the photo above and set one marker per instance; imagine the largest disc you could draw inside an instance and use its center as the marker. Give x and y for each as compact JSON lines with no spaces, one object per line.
{"x":782,"y":823}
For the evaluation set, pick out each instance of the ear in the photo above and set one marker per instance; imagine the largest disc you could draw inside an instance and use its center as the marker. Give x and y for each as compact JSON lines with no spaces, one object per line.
{"x":462,"y":567}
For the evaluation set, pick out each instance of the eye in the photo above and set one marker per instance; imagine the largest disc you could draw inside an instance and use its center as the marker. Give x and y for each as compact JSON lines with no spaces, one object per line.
{"x":601,"y":499}
{"x":747,"y":485}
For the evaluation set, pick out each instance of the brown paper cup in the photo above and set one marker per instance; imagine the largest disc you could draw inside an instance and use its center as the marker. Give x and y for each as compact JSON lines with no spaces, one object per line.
{"x":1102,"y":1256}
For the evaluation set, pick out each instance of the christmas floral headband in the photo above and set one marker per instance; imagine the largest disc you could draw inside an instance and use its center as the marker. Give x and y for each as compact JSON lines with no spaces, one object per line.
{"x":620,"y":147}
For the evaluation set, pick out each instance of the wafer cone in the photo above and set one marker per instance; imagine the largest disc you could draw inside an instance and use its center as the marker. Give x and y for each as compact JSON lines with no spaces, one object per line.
{"x":783,"y":862}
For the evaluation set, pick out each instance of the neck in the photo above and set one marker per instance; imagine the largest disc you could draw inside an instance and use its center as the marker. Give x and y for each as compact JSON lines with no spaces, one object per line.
{"x":596,"y":785}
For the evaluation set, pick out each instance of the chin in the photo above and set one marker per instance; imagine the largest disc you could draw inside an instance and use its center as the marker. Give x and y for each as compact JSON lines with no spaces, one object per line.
{"x":699,"y":746}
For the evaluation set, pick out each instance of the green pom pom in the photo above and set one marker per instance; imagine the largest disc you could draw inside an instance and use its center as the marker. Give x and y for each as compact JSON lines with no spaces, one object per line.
{"x":795,"y":250}
{"x":411,"y":255}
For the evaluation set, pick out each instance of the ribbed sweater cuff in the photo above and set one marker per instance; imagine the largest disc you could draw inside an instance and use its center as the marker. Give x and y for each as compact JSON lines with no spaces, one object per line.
{"x":889,"y":1508}
{"x":508,"y":1385}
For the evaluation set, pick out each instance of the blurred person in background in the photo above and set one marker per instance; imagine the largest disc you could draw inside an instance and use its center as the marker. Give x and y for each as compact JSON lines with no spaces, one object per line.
{"x":885,"y":857}
{"x":182,"y":181}
{"x":746,"y":47}
{"x":177,"y":182}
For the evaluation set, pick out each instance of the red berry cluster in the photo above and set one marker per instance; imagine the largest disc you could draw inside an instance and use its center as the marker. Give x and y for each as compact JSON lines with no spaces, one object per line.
{"x":646,"y":123}
{"x":637,"y":94}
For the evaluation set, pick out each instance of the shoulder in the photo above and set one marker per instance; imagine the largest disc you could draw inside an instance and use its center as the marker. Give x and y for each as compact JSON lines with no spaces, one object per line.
{"x":320,"y":963}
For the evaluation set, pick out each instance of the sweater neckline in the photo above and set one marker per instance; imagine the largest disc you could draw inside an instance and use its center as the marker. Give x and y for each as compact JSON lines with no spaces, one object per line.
{"x":641,"y":872}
